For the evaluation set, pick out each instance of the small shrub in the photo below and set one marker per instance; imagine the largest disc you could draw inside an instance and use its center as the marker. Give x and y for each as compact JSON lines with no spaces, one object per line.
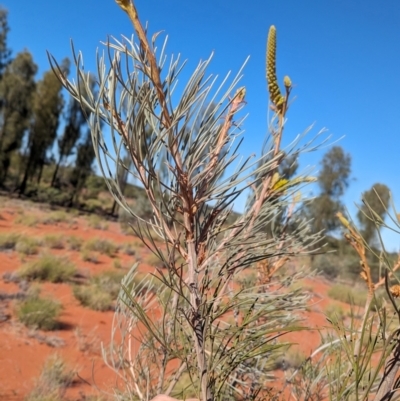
{"x":117,"y":264}
{"x":56,"y":217}
{"x":39,"y":313}
{"x":28,"y":220}
{"x":52,"y":382}
{"x":101,"y":292}
{"x":129,"y":248}
{"x":54,"y":241}
{"x":88,"y":256}
{"x":48,"y":268}
{"x":27,"y":246}
{"x":102,"y":246}
{"x":74,"y":243}
{"x":94,"y":205}
{"x":328,"y":265}
{"x":348,"y":294}
{"x":109,"y":282}
{"x":97,"y":222}
{"x":92,"y":297}
{"x":8,"y":241}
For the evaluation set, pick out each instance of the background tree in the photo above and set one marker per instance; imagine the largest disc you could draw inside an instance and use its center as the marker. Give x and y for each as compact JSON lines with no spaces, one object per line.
{"x":75,"y":120}
{"x":16,"y":89}
{"x":5,"y":52}
{"x":374,"y":208}
{"x":48,"y":104}
{"x":83,"y":166}
{"x":333,"y":181}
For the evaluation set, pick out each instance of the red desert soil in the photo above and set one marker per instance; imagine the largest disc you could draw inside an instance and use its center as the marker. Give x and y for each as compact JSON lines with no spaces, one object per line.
{"x":23,"y":351}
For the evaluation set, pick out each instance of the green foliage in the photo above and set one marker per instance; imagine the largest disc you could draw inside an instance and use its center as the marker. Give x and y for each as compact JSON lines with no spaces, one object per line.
{"x":16,"y":91}
{"x":47,"y":108}
{"x":102,"y":246}
{"x":74,"y":243}
{"x":349,"y":295}
{"x":56,"y":217}
{"x":97,"y":222}
{"x":91,"y":297}
{"x":374,"y":208}
{"x":28,"y":245}
{"x":8,"y":241}
{"x":333,"y":180}
{"x":39,"y":313}
{"x":54,"y":241}
{"x":48,"y":268}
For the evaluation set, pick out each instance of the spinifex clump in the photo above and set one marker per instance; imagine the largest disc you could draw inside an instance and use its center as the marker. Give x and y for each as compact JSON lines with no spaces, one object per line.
{"x":200,"y":334}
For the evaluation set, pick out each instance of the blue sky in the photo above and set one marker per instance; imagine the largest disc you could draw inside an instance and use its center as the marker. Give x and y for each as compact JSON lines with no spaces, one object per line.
{"x":342,"y":56}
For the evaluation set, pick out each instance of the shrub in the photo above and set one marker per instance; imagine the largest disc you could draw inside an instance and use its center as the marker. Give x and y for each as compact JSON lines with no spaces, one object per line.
{"x":28,"y":220}
{"x":92,"y":297}
{"x":48,"y":268}
{"x":54,"y":379}
{"x":97,"y":222}
{"x":56,"y":218}
{"x":39,"y":313}
{"x":8,"y":241}
{"x":74,"y":243}
{"x":88,"y":256}
{"x":348,"y":294}
{"x":54,"y":241}
{"x":27,"y":245}
{"x":128,"y":248}
{"x":102,"y":246}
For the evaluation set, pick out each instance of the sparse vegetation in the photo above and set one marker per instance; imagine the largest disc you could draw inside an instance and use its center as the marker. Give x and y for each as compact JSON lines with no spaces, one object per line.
{"x":53,"y":381}
{"x":347,"y":294}
{"x":8,"y":241}
{"x":92,"y":297}
{"x":39,"y":313}
{"x":27,"y":245}
{"x":48,"y":268}
{"x":102,"y":246}
{"x":96,"y":222}
{"x":54,"y":241}
{"x":74,"y":243}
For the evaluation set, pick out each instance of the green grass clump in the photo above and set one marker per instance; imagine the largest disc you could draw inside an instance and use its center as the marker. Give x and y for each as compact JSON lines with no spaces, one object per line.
{"x":101,"y":292}
{"x":27,"y":245}
{"x":48,"y":268}
{"x":128,"y":248}
{"x":92,"y":297}
{"x":56,"y":217}
{"x":74,"y":243}
{"x":102,"y":246}
{"x":52,"y":382}
{"x":96,"y":222}
{"x":350,"y":295}
{"x":39,"y":313}
{"x":28,"y":220}
{"x":54,"y":241}
{"x":8,"y":241}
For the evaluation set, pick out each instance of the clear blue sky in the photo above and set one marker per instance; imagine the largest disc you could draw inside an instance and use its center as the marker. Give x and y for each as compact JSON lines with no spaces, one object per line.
{"x":343,"y":57}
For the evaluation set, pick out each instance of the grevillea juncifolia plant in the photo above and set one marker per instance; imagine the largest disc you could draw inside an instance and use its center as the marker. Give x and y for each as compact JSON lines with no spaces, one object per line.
{"x":189,"y":329}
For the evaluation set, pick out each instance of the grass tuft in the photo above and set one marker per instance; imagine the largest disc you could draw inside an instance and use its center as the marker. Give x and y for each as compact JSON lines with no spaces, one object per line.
{"x":39,"y":313}
{"x":48,"y":268}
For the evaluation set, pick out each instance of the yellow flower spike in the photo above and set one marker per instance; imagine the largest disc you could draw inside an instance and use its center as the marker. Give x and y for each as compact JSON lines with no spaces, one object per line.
{"x":273,"y":87}
{"x":343,"y":220}
{"x":287,"y":82}
{"x":275,"y":179}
